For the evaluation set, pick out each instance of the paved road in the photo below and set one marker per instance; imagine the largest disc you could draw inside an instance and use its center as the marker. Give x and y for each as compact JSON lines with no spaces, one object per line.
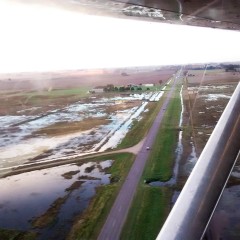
{"x":118,"y":214}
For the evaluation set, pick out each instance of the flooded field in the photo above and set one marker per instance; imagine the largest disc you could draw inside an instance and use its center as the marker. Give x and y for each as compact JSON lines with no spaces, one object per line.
{"x":90,"y":125}
{"x":52,"y":128}
{"x":206,"y":95}
{"x":41,"y":126}
{"x":48,"y":200}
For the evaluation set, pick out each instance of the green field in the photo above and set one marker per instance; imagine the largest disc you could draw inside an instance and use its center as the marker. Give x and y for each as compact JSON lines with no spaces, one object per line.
{"x":12,"y":102}
{"x":162,"y":156}
{"x":151,"y":205}
{"x":88,"y":225}
{"x":82,"y":92}
{"x":147,"y":214}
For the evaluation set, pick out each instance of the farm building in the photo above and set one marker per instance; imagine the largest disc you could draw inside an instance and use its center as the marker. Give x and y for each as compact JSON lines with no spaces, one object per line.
{"x":148,"y":85}
{"x":97,"y":90}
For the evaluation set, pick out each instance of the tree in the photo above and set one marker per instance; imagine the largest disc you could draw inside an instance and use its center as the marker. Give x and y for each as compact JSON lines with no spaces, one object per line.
{"x":231,"y":68}
{"x":110,"y":87}
{"x":160,"y":82}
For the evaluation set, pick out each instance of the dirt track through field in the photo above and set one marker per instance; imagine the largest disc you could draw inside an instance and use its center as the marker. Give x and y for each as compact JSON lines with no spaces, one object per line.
{"x":27,"y":167}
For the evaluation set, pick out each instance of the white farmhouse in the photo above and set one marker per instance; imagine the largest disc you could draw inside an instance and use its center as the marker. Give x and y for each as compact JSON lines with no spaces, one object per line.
{"x":97,"y":90}
{"x":148,"y":85}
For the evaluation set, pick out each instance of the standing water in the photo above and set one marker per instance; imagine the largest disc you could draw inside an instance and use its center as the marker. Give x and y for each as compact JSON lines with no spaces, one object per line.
{"x":48,"y":200}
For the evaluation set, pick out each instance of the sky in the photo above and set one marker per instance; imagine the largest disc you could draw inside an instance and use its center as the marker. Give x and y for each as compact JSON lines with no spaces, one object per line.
{"x":40,"y":38}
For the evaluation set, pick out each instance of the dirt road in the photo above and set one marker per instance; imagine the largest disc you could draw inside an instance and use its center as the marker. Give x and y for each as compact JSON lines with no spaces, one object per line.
{"x":118,"y":214}
{"x":32,"y":166}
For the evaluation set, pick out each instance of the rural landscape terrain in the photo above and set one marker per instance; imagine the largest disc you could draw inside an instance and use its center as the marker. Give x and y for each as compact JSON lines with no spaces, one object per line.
{"x":104,"y":153}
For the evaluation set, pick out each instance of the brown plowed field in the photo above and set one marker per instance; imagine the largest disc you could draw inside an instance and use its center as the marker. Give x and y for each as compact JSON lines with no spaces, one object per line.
{"x":71,"y":79}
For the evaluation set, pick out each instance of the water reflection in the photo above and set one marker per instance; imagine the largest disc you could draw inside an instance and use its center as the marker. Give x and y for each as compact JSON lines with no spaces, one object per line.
{"x":21,"y":138}
{"x":191,"y":160}
{"x":28,"y":197}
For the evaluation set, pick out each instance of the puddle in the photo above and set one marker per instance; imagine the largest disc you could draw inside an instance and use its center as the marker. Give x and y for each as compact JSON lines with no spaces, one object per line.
{"x":167,"y":83}
{"x":209,"y":87}
{"x":215,"y":97}
{"x":27,"y":196}
{"x":191,"y":160}
{"x":7,"y":121}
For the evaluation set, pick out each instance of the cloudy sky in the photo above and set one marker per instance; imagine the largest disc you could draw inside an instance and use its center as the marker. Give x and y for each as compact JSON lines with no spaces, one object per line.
{"x":38,"y":38}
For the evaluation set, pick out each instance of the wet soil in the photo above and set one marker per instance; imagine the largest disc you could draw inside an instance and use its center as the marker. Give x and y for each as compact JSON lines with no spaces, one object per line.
{"x":73,"y":130}
{"x":84,"y":78}
{"x":122,"y":106}
{"x":69,"y":175}
{"x":62,"y":128}
{"x":205,"y":98}
{"x":49,"y":216}
{"x":27,"y":105}
{"x":205,"y":101}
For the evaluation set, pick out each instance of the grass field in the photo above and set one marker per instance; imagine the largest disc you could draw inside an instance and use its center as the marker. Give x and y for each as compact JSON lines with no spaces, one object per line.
{"x":161,"y":160}
{"x":88,"y":225}
{"x":151,"y":205}
{"x":140,"y":128}
{"x":12,"y":102}
{"x":56,"y":96}
{"x":83,"y":91}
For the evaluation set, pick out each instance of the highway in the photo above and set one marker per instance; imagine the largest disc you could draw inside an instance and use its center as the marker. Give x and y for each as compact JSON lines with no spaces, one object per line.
{"x":118,"y":214}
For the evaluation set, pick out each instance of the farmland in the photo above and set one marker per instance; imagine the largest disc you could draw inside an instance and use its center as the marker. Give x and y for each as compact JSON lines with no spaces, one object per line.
{"x":62,"y":122}
{"x":55,"y":125}
{"x":206,"y":94}
{"x":89,"y":125}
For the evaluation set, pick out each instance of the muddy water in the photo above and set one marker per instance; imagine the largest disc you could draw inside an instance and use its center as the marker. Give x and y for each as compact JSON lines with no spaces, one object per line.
{"x":25,"y":197}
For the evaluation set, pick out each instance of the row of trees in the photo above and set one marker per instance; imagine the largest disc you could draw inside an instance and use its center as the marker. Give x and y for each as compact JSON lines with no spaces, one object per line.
{"x":231,"y":68}
{"x":111,"y":88}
